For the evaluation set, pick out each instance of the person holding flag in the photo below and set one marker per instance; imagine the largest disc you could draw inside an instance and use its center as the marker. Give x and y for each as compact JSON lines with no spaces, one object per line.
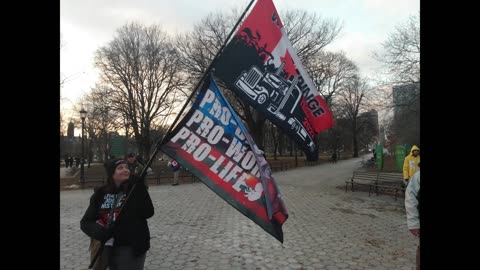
{"x":122,"y":240}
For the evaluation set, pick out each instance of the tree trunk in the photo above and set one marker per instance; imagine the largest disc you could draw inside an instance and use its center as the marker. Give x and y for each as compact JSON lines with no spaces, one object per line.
{"x":275,"y":152}
{"x":291,"y":147}
{"x":106,"y":148}
{"x":355,"y":139}
{"x":126,"y":140}
{"x":258,"y":129}
{"x":296,"y":156}
{"x":281,"y":141}
{"x":148,"y":148}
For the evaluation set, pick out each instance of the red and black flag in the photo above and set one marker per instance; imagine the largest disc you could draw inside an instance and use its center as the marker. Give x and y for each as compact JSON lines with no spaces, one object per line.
{"x":213,"y":144}
{"x":260,"y":65}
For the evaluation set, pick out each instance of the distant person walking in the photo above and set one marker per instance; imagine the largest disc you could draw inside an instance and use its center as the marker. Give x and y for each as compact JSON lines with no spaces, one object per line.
{"x":66,"y":161}
{"x":334,"y":157}
{"x":175,"y":167}
{"x":410,"y":164}
{"x":70,"y":161}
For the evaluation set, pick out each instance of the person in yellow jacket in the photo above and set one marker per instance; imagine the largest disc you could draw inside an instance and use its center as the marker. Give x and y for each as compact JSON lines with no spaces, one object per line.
{"x":410,"y":164}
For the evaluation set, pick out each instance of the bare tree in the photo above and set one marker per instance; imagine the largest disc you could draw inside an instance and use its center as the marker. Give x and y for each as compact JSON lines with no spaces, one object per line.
{"x":368,"y":130}
{"x":406,"y":114}
{"x":198,"y":48}
{"x":400,"y":60}
{"x":62,"y":99}
{"x":336,"y":136}
{"x":400,"y":92}
{"x":63,"y":79}
{"x":142,"y":66}
{"x":401,"y":56}
{"x":61,"y":45}
{"x":308,"y":32}
{"x":62,"y":124}
{"x":329,"y":71}
{"x":352,"y":100}
{"x":402,"y":102}
{"x":102,"y":118}
{"x":391,"y":138}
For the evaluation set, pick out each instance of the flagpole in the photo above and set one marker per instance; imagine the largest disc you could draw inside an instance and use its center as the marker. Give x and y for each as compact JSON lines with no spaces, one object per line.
{"x":157,"y":146}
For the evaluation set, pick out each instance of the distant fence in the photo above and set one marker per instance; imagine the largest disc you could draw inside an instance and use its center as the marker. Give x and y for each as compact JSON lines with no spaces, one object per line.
{"x":162,"y":174}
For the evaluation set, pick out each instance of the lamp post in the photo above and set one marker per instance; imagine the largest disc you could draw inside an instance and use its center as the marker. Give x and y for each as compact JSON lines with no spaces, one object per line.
{"x":83,"y":115}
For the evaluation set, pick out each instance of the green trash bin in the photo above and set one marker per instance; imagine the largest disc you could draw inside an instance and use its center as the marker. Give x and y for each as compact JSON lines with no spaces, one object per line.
{"x":400,"y":154}
{"x":379,"y":153}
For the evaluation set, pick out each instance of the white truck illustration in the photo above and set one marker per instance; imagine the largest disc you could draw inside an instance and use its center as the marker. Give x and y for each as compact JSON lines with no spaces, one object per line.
{"x":265,"y":86}
{"x":271,"y":87}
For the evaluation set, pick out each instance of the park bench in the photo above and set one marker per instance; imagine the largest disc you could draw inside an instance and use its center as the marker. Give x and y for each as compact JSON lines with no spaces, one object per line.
{"x":96,"y":180}
{"x":377,"y":182}
{"x":277,"y":166}
{"x":91,"y":181}
{"x":366,"y":179}
{"x":391,"y":181}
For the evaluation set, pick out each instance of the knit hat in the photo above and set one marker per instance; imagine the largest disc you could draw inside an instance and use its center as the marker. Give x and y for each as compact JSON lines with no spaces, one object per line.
{"x":111,"y":165}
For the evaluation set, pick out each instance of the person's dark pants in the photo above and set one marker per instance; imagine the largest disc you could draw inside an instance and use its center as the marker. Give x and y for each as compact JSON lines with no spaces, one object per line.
{"x":175,"y":177}
{"x":124,"y":259}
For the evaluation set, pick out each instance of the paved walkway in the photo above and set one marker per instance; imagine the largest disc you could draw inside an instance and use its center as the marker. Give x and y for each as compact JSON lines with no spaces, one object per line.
{"x":327,"y":228}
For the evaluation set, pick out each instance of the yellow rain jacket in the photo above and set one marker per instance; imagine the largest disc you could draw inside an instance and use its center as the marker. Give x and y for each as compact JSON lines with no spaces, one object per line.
{"x":410,"y":164}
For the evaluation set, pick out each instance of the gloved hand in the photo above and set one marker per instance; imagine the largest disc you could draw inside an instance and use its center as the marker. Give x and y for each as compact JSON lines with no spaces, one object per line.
{"x":103,"y":234}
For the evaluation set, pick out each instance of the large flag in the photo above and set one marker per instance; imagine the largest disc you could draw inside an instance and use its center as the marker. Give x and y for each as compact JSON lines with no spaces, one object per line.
{"x":214,"y":145}
{"x":260,"y":65}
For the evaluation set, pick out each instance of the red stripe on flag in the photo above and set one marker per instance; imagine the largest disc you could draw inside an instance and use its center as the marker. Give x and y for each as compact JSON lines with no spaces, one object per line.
{"x":257,"y":208}
{"x":264,"y":18}
{"x":321,"y":120}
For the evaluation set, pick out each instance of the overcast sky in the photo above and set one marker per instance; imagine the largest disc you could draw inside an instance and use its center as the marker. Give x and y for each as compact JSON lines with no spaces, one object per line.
{"x":88,"y":24}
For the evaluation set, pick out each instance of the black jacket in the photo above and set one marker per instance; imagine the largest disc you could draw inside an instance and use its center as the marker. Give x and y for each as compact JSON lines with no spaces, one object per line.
{"x":131,"y":228}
